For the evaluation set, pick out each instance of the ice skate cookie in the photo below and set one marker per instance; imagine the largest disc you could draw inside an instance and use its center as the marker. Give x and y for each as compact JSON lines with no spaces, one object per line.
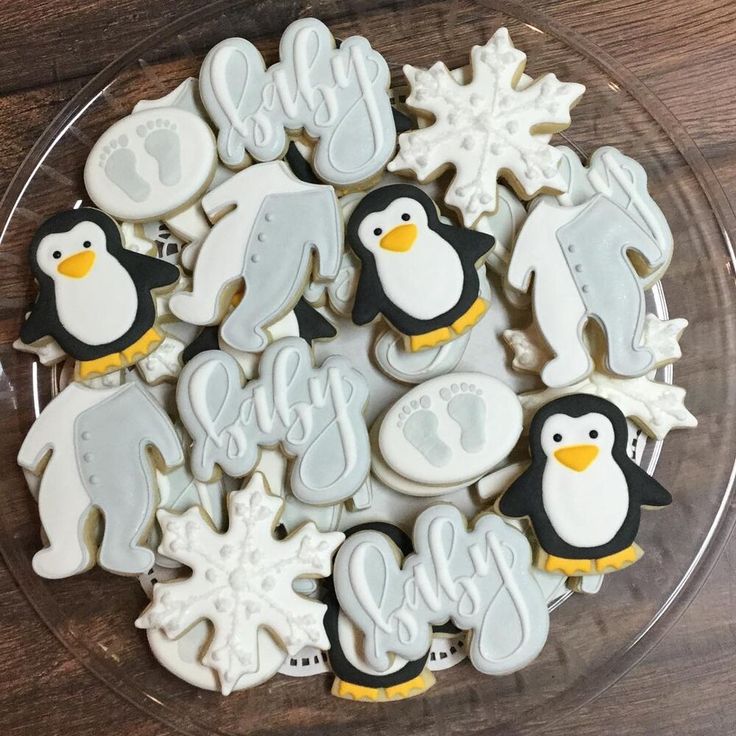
{"x":151,"y":164}
{"x":582,"y":494}
{"x":582,"y":271}
{"x":96,"y":450}
{"x":486,"y":128}
{"x":479,"y":579}
{"x":314,"y":414}
{"x":95,"y":297}
{"x":416,"y":271}
{"x":242,"y":582}
{"x":355,"y":679}
{"x":451,"y":429}
{"x":254,"y":241}
{"x":337,"y":96}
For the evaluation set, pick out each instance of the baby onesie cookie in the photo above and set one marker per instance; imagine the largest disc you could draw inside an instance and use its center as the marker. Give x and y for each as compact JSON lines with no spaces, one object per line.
{"x":486,"y":128}
{"x":582,"y":494}
{"x":92,"y":448}
{"x":337,"y":96}
{"x":254,"y":241}
{"x":450,"y":430}
{"x":151,"y":164}
{"x":314,"y":414}
{"x":95,"y":297}
{"x":580,"y":260}
{"x":479,"y":579}
{"x":416,"y":271}
{"x":242,"y":581}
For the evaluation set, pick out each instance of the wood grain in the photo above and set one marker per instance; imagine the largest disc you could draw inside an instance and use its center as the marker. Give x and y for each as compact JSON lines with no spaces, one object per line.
{"x":683,"y":51}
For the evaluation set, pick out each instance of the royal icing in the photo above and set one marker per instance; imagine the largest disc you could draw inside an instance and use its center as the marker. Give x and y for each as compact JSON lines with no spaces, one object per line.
{"x":486,"y":128}
{"x":139,"y":168}
{"x":315,"y":414}
{"x":339,"y":97}
{"x":582,"y":494}
{"x":254,"y":241}
{"x":242,"y":581}
{"x":582,"y":271}
{"x":451,"y":429}
{"x":91,"y":448}
{"x":479,"y":579}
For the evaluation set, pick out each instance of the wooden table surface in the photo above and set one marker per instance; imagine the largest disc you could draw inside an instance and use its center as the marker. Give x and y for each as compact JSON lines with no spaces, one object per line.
{"x":684,"y":50}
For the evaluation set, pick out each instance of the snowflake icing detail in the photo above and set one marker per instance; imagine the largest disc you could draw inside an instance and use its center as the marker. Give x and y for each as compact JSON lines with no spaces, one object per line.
{"x":241,"y":581}
{"x":487,"y":127}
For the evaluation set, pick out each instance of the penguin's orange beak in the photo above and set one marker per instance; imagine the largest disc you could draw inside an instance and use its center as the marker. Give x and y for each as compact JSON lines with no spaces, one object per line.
{"x":577,"y":457}
{"x":78,"y":265}
{"x":400,"y":238}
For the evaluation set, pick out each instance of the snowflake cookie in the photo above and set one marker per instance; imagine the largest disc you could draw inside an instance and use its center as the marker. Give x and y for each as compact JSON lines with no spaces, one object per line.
{"x":487,"y":128}
{"x":241,"y":581}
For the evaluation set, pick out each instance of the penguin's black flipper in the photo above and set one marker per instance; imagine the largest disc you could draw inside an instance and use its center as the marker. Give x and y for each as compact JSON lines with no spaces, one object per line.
{"x":36,"y":326}
{"x":402,"y":121}
{"x":649,"y":491}
{"x":476,"y":244}
{"x":367,"y":303}
{"x":515,"y":500}
{"x":299,"y":165}
{"x":206,"y":340}
{"x":312,"y":325}
{"x":161,"y":273}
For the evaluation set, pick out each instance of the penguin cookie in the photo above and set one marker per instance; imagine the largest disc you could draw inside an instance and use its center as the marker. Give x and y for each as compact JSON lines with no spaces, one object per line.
{"x":582,"y":493}
{"x":94,"y":296}
{"x":416,"y":271}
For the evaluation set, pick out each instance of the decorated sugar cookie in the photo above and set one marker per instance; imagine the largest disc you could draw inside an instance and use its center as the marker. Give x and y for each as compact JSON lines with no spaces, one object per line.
{"x":242,"y":581}
{"x":92,"y":447}
{"x":416,"y":271}
{"x":479,"y":578}
{"x":95,"y":297}
{"x":486,"y":128}
{"x":580,"y":258}
{"x":582,"y":494}
{"x":269,"y":227}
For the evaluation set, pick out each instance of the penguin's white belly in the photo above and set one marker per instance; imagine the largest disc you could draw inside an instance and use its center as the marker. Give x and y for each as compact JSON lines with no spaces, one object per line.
{"x":424,"y":282}
{"x":99,"y":308}
{"x":586,"y":509}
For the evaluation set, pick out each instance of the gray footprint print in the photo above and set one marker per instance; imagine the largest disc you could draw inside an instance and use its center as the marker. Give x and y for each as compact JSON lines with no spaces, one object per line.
{"x":161,"y":140}
{"x":121,"y":168}
{"x":419,"y":425}
{"x":466,"y":406}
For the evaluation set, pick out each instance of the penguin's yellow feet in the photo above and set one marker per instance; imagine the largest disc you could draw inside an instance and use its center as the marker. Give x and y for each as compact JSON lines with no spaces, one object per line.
{"x":471,"y":317}
{"x":99,"y":367}
{"x":416,"y":686}
{"x":567,"y":566}
{"x":620,"y":560}
{"x":429,"y":339}
{"x":143,"y":346}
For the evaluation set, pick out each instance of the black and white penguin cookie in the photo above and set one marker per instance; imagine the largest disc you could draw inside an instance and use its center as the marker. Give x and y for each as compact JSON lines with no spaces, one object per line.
{"x":94,"y":296}
{"x":582,"y":492}
{"x":416,"y":271}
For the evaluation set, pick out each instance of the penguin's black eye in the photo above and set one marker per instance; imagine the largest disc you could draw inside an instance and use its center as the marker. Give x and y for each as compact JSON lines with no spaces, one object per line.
{"x":557,"y":437}
{"x":406,"y":216}
{"x":377,"y":231}
{"x":56,"y":254}
{"x":593,"y":434}
{"x":86,"y":244}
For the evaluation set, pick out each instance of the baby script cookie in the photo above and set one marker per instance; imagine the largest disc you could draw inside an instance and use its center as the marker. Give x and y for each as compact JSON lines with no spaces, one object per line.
{"x":314,"y":414}
{"x":337,"y":96}
{"x":268,"y":226}
{"x":96,"y":298}
{"x":92,"y":449}
{"x":241,"y":582}
{"x":450,"y":430}
{"x":480,"y":579}
{"x":418,"y":272}
{"x":486,"y":128}
{"x":582,"y":494}
{"x":582,"y":271}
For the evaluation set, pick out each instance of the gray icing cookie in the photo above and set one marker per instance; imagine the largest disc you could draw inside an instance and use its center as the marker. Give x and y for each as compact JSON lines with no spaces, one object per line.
{"x":314,"y":414}
{"x":254,"y":241}
{"x":581,"y":260}
{"x":481,"y":580}
{"x":103,"y":446}
{"x":339,"y":97}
